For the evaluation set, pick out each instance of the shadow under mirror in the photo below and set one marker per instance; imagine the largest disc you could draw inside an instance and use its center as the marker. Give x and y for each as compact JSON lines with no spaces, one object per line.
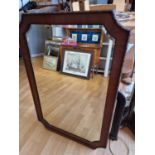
{"x":72,"y":64}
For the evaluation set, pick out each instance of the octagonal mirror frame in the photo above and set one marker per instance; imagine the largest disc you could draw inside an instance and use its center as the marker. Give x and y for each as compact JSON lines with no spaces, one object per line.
{"x":120,"y":35}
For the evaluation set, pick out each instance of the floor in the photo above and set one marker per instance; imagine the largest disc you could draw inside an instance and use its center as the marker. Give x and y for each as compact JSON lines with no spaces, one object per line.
{"x":70,"y":103}
{"x":36,"y":140}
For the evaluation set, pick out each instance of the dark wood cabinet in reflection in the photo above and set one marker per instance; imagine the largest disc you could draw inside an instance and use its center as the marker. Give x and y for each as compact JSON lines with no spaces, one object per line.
{"x":91,"y":44}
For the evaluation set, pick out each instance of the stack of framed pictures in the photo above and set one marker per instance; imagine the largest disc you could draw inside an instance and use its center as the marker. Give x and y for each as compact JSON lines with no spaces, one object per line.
{"x":51,"y":55}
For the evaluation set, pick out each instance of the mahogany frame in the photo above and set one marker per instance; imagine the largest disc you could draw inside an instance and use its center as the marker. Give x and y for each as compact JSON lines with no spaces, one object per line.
{"x":121,"y":35}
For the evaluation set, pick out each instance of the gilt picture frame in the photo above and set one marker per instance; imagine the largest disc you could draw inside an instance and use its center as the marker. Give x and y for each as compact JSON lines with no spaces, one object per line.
{"x":50,"y":62}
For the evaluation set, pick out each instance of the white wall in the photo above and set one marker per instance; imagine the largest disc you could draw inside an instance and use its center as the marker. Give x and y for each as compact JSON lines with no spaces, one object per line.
{"x":22,"y":2}
{"x":36,"y":36}
{"x":54,"y":1}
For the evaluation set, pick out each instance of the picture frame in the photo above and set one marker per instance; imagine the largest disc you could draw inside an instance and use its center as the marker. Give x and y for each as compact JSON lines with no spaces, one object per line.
{"x":84,"y":37}
{"x":91,"y":36}
{"x":77,"y":63}
{"x":51,"y":55}
{"x":50,"y":62}
{"x":106,"y":18}
{"x":52,"y":48}
{"x":74,"y":36}
{"x":95,"y":38}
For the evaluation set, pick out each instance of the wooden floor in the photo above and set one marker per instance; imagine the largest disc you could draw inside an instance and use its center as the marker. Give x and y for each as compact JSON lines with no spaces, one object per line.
{"x":70,"y":103}
{"x":36,"y":140}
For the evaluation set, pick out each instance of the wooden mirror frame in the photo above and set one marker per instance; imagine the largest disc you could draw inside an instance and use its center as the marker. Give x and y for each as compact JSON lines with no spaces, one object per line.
{"x":121,"y":35}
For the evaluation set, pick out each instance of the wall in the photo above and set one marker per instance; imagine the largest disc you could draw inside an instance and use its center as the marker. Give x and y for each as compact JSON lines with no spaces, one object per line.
{"x":22,"y":2}
{"x":98,"y":1}
{"x":36,"y":37}
{"x":102,"y":1}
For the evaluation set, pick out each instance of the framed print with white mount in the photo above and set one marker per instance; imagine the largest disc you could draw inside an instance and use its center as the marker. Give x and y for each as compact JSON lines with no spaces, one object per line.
{"x":77,"y":63}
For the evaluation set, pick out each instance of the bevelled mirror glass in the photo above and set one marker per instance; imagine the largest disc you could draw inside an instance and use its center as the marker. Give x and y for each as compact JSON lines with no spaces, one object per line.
{"x":72,"y":64}
{"x":73,"y":68}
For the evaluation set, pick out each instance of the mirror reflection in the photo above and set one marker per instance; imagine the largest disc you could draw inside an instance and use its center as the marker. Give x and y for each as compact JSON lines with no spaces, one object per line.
{"x":72,"y":65}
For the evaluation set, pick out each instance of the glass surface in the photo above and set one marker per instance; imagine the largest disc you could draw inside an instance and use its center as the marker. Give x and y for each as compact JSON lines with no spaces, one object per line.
{"x":72,"y":65}
{"x":98,"y":1}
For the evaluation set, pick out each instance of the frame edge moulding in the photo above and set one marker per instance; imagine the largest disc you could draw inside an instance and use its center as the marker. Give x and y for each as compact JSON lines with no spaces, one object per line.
{"x":121,"y":35}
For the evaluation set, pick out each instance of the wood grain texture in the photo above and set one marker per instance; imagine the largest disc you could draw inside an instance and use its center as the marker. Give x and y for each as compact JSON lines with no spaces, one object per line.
{"x":102,"y":7}
{"x":73,"y":104}
{"x":120,"y":34}
{"x":35,"y":139}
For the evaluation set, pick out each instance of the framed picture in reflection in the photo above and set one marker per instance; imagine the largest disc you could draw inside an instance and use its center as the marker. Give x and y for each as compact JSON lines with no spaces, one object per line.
{"x":77,"y":63}
{"x":50,"y":62}
{"x":52,"y":48}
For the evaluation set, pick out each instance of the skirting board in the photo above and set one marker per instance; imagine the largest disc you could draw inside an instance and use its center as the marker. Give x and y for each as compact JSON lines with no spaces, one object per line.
{"x":36,"y":55}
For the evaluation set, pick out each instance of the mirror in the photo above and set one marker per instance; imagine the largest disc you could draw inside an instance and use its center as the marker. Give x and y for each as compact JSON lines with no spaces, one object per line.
{"x":72,"y":65}
{"x":74,"y":69}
